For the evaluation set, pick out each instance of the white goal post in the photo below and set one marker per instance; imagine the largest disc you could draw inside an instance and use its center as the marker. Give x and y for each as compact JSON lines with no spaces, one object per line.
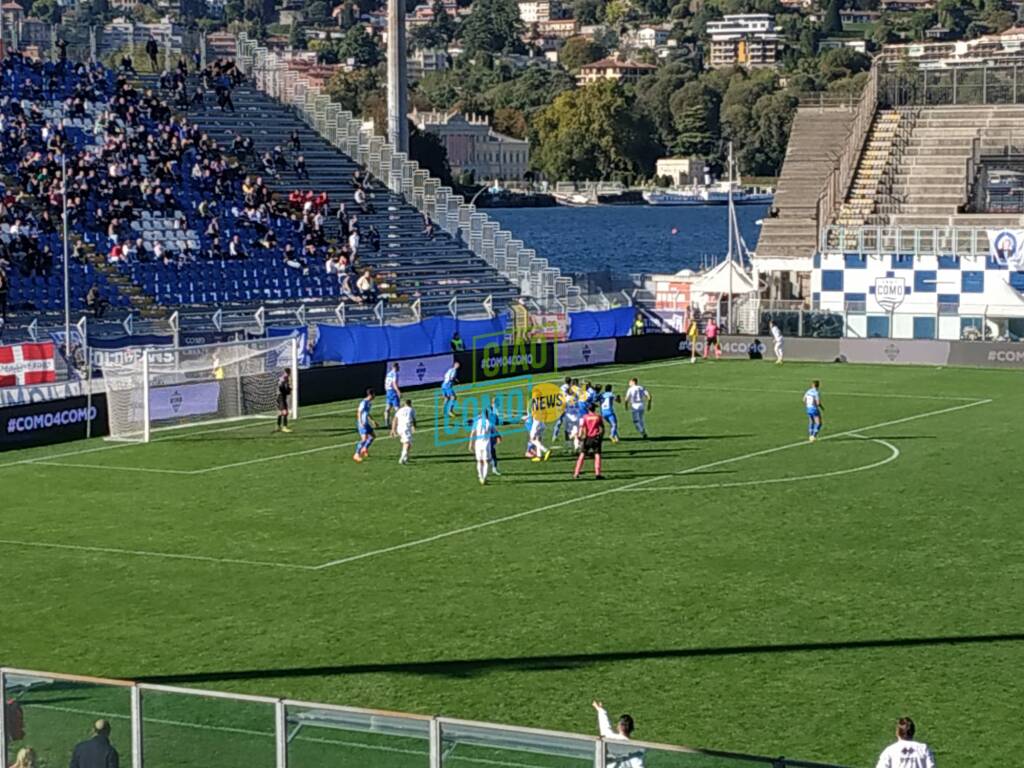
{"x":155,"y":388}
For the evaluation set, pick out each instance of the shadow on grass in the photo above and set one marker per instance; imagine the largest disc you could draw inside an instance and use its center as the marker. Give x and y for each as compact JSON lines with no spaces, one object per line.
{"x":471,"y":667}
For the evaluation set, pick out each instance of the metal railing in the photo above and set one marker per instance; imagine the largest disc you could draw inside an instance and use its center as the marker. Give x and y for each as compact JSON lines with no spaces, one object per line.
{"x":838,"y":180}
{"x":160,"y":724}
{"x":938,"y":81}
{"x":535,"y":278}
{"x":921,"y":241}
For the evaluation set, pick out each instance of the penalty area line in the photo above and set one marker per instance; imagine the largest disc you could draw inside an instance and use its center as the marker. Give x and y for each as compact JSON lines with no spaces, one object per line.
{"x":636,"y":484}
{"x":894,"y":453}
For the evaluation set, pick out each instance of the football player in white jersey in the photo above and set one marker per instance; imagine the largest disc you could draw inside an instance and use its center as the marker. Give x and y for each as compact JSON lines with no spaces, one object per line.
{"x":777,"y":336}
{"x":638,"y":400}
{"x":480,"y":445}
{"x":405,"y":426}
{"x":905,"y":752}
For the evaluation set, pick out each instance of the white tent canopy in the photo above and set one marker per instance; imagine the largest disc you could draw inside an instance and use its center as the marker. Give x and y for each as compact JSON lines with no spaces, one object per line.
{"x":718,"y":280}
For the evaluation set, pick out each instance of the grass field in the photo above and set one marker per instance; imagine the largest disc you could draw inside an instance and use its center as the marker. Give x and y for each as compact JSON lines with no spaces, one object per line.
{"x":730,"y":585}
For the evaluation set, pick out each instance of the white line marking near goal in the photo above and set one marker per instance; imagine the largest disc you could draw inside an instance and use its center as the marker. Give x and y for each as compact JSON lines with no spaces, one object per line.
{"x":146,"y":553}
{"x":893,"y":455}
{"x":43,"y":463}
{"x":635,"y":484}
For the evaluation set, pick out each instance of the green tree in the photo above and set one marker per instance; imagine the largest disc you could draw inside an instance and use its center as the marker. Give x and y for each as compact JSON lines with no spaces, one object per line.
{"x":509,"y":121}
{"x":296,"y":38}
{"x":47,"y":10}
{"x":430,"y":152}
{"x":594,"y":133}
{"x":438,"y":33}
{"x":352,"y":90}
{"x":578,"y":51}
{"x":360,"y":48}
{"x":589,"y":11}
{"x":831,"y":24}
{"x":653,"y":95}
{"x":493,"y":26}
{"x":533,"y":88}
{"x":840,"y":63}
{"x":695,"y":115}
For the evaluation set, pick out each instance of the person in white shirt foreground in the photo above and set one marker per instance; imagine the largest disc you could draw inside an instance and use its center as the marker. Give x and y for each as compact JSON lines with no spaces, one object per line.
{"x":404,"y":427}
{"x":905,"y":752}
{"x":622,"y":732}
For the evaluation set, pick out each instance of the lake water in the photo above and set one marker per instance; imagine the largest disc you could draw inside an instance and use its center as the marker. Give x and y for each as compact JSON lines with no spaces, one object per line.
{"x":628,"y":238}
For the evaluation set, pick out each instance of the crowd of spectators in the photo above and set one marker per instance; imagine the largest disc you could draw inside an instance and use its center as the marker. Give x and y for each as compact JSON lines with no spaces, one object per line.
{"x":130,"y":154}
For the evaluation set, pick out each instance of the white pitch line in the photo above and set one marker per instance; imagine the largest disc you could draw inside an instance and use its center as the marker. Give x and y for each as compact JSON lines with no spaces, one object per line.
{"x":41,"y":462}
{"x":147,"y":553}
{"x":635,"y":484}
{"x":830,"y":393}
{"x":895,"y":454}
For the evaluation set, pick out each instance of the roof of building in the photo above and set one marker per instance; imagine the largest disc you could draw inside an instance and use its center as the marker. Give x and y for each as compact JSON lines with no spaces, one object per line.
{"x":613,"y":63}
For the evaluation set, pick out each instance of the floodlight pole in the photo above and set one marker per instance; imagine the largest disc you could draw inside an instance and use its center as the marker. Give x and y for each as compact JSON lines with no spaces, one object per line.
{"x":732,"y":214}
{"x":67,"y":278}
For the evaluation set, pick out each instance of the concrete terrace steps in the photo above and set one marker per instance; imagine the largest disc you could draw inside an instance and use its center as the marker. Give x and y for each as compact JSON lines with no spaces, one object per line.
{"x":435,"y":269}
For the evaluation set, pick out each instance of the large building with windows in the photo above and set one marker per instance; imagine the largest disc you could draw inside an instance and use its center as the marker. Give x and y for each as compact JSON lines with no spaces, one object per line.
{"x":745,"y":40}
{"x":474,"y":147}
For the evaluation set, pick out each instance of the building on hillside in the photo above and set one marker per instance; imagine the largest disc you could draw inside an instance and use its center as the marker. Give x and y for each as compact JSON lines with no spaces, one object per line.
{"x":613,"y":69}
{"x":908,"y":6}
{"x":683,"y":171}
{"x":124,"y":5}
{"x":647,"y":36}
{"x":854,"y":16}
{"x":291,"y":13}
{"x":422,"y":63}
{"x":744,"y":39}
{"x":533,"y":11}
{"x":857,"y":44}
{"x":562,"y":28}
{"x":473,"y":146}
{"x":35,"y":32}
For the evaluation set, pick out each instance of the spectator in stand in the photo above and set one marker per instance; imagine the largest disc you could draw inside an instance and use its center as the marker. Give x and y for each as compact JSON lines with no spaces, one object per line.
{"x":360,"y":199}
{"x":96,"y":752}
{"x":905,"y":752}
{"x":236,"y":249}
{"x":300,"y":167}
{"x":152,"y":49}
{"x":367,"y":288}
{"x":5,"y":288}
{"x":127,"y":67}
{"x":456,"y":343}
{"x":428,"y":227}
{"x":294,"y":141}
{"x":373,"y":238}
{"x":353,"y":242}
{"x":95,"y":302}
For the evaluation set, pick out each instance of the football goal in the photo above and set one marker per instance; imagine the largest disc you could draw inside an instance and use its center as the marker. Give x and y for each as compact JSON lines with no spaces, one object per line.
{"x":155,"y":388}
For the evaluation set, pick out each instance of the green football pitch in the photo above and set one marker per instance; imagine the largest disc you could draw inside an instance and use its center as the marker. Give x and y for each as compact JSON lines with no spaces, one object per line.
{"x":730,"y":585}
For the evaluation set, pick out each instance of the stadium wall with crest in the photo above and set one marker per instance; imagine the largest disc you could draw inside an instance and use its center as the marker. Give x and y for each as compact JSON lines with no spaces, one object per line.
{"x":919,"y":296}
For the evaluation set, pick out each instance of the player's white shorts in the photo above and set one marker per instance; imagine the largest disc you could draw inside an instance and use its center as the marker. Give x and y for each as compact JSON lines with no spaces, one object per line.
{"x":537,"y":430}
{"x":405,"y":437}
{"x":778,"y":347}
{"x":482,"y":449}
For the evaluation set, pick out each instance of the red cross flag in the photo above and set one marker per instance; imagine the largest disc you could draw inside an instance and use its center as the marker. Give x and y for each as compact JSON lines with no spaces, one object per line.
{"x":22,"y":364}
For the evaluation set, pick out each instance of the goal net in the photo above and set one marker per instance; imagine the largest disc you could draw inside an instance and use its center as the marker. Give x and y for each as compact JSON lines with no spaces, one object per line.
{"x":152,"y":388}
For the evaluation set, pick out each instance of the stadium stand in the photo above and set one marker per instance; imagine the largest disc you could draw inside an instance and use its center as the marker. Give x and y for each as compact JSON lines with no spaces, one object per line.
{"x":162,"y":215}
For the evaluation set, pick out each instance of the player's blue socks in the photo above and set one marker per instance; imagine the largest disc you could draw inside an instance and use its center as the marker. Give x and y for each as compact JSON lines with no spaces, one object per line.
{"x":613,"y":420}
